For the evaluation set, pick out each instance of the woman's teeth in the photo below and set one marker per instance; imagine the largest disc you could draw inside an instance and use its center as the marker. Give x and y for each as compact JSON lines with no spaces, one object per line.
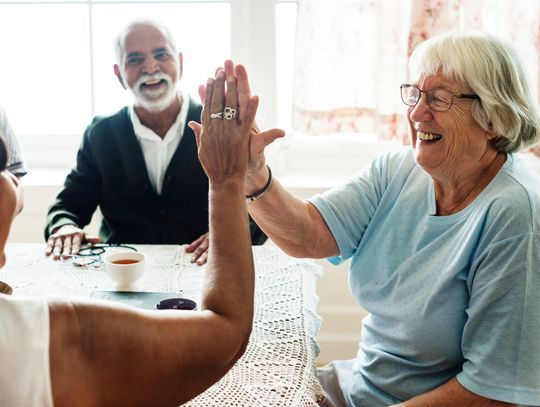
{"x":428,"y":136}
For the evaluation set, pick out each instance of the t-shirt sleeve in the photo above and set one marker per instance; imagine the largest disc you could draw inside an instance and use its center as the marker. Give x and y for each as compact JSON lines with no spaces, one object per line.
{"x":24,"y":352}
{"x":500,"y":341}
{"x":347,"y":209}
{"x":15,"y":163}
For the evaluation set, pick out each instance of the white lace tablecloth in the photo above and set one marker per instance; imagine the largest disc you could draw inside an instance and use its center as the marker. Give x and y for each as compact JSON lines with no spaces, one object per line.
{"x":278,"y":367}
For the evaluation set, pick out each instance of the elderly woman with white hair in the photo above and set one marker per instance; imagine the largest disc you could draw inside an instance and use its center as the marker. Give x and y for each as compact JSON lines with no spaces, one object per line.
{"x":444,"y":237}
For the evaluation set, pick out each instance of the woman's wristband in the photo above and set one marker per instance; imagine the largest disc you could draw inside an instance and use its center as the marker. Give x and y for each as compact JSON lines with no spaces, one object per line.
{"x":264,"y":189}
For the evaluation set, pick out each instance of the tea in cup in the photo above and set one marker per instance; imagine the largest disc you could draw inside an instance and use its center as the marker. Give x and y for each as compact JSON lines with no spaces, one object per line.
{"x":125,"y":268}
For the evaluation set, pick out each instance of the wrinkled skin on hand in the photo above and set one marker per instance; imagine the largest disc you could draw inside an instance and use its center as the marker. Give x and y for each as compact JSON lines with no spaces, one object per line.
{"x":258,"y":140}
{"x":67,"y":241}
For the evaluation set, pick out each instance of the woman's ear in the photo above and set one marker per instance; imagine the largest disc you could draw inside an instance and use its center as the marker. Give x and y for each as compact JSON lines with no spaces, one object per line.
{"x":491,"y":133}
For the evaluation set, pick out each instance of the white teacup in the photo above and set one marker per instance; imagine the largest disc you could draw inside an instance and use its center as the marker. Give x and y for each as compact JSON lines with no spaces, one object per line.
{"x":125,"y":268}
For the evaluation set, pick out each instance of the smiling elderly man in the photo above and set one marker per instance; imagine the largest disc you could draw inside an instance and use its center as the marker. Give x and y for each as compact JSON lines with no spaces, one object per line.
{"x":139,"y":165}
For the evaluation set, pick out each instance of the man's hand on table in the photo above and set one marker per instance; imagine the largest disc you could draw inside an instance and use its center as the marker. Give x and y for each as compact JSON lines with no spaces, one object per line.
{"x":199,"y":248}
{"x":66,"y":241}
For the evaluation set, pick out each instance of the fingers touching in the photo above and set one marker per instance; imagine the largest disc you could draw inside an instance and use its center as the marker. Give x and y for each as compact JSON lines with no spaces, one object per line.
{"x":240,"y":73}
{"x":244,"y":92}
{"x":202,"y":93}
{"x":216,"y":94}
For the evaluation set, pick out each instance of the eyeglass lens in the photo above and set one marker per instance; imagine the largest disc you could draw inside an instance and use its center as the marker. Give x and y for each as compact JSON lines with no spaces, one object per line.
{"x":437,"y":99}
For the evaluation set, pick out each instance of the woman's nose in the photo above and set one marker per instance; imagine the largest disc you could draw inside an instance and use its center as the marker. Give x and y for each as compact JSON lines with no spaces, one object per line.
{"x":421,"y":112}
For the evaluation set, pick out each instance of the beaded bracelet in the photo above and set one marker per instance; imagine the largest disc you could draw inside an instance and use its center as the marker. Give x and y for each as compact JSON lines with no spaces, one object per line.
{"x":264,"y":189}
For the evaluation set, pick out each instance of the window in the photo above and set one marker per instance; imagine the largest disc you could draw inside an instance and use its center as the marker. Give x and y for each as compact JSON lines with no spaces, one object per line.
{"x":57,"y":58}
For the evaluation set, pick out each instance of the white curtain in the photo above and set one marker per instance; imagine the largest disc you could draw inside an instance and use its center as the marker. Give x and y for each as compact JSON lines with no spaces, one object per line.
{"x":351,"y":55}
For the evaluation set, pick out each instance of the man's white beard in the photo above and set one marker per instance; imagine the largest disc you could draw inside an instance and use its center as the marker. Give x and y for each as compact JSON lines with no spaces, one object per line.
{"x":154,"y":101}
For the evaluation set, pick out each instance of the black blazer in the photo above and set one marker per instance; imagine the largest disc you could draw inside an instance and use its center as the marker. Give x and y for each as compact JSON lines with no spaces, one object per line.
{"x":111,"y":173}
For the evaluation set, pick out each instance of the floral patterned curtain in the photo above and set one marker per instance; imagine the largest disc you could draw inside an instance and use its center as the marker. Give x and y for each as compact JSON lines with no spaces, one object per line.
{"x":351,"y":55}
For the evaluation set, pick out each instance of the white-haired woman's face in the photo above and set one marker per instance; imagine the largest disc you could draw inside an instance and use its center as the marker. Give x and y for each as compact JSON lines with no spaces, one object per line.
{"x":447,"y":142}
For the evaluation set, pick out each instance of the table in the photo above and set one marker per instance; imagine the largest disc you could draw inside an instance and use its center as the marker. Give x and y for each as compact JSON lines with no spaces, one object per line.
{"x":278,"y":367}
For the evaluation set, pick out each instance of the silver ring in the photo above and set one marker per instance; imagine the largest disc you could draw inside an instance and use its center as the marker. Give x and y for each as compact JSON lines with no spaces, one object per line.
{"x":218,"y":115}
{"x":229,"y":113}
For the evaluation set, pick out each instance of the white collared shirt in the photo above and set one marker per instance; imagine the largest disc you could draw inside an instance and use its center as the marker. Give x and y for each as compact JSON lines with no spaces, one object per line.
{"x":158,"y":152}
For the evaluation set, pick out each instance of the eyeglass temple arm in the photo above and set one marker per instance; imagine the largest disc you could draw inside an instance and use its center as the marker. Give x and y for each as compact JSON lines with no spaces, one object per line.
{"x":468,"y":96}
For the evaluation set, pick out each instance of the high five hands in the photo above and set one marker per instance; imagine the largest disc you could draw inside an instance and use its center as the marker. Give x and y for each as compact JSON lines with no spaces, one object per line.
{"x":256,"y":173}
{"x":223,"y":139}
{"x":256,"y":168}
{"x":241,"y":152}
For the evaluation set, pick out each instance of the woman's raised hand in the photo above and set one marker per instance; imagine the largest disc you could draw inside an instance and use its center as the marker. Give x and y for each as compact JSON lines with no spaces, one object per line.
{"x":258,"y":141}
{"x":223,"y":138}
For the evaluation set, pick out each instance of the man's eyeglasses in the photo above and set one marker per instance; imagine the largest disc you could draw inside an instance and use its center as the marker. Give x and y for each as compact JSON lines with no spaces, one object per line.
{"x":439,"y":100}
{"x":91,"y":255}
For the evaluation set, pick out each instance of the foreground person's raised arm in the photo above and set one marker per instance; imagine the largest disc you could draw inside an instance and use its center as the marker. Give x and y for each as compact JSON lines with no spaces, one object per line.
{"x":103,"y":355}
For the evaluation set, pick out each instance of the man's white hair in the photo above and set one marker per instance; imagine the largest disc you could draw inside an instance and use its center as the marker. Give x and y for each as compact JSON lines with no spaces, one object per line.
{"x":493,"y":70}
{"x":119,"y":42}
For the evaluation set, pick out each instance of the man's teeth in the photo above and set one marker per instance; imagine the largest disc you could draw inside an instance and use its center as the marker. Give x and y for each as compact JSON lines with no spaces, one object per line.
{"x":153,"y":82}
{"x":428,"y":136}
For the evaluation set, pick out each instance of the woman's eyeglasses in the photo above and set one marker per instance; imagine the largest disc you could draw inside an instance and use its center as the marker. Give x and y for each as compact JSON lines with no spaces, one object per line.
{"x":439,"y":100}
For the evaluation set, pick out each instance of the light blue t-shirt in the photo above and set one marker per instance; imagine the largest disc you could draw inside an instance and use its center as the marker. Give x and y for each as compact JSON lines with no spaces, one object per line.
{"x":448,"y":296}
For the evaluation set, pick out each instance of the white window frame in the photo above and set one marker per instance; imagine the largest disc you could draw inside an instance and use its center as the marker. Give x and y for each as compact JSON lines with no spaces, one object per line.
{"x":252,"y":43}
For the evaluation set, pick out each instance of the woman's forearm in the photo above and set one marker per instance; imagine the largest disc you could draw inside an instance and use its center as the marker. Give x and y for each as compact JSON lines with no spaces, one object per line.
{"x":452,"y":394}
{"x":296,"y":226}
